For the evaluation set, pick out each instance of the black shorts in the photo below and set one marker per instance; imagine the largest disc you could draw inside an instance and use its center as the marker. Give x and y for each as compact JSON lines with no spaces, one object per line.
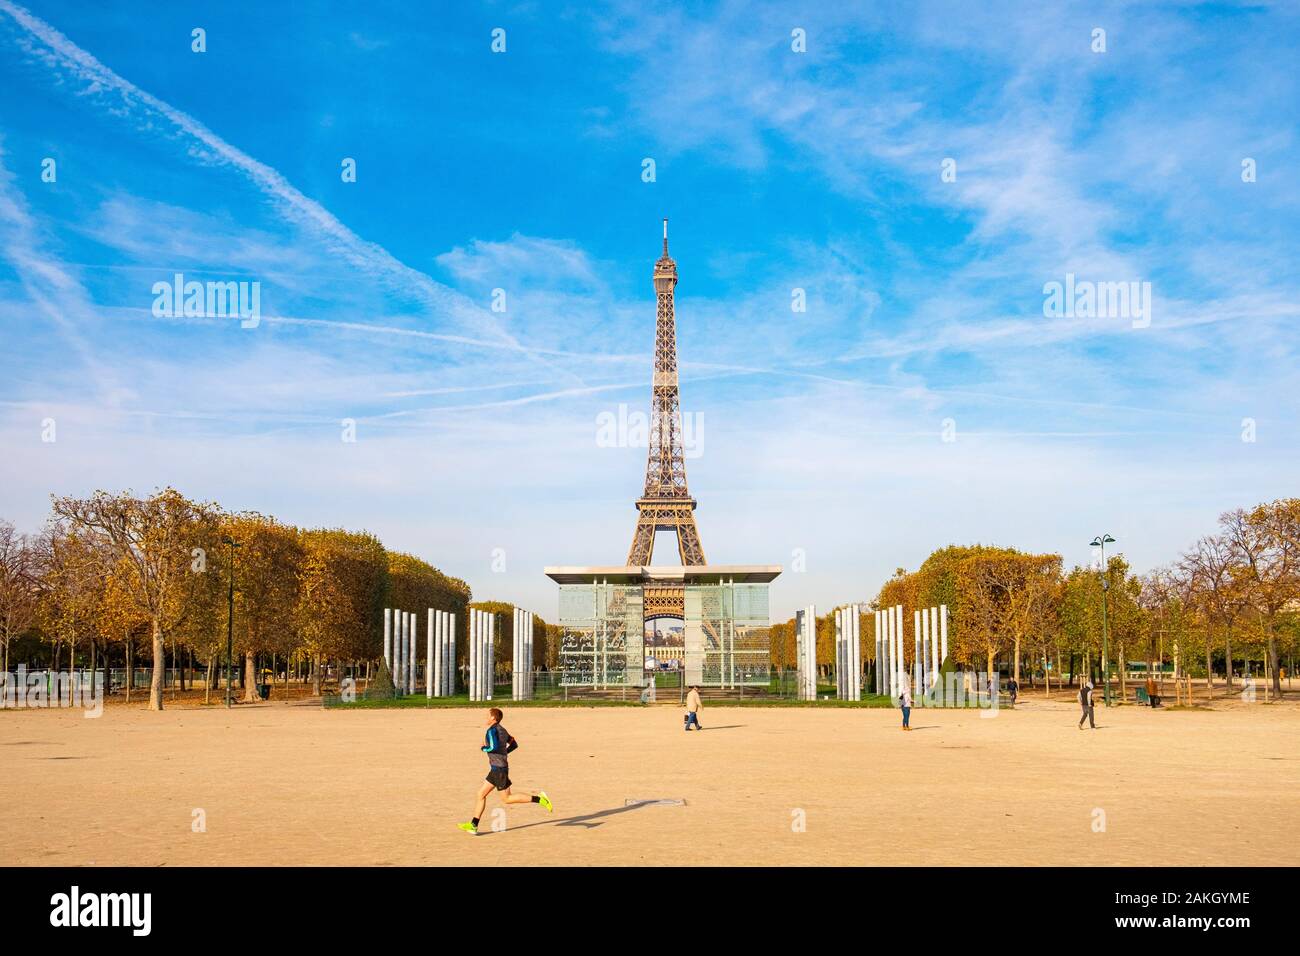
{"x":499,"y":777}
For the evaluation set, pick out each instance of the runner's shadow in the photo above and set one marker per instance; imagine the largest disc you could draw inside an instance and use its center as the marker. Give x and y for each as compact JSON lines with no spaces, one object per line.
{"x":723,"y":727}
{"x":581,"y":821}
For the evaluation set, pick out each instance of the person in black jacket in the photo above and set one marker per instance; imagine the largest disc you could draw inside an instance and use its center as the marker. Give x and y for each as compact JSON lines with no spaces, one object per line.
{"x":498,"y":744}
{"x":1086,"y":702}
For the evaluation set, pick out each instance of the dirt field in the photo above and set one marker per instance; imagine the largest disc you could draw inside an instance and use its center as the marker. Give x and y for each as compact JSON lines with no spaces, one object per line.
{"x":289,"y":783}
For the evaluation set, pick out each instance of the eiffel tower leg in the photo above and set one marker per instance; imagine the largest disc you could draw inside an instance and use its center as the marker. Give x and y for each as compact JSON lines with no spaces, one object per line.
{"x":643,"y":541}
{"x":688,"y":540}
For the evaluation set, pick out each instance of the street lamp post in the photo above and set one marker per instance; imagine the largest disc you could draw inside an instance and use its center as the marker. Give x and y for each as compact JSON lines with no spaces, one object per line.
{"x":230,"y":616}
{"x":1100,"y":542}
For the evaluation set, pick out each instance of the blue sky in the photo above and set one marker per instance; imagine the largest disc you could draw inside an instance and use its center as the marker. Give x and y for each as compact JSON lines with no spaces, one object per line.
{"x":823,"y":431}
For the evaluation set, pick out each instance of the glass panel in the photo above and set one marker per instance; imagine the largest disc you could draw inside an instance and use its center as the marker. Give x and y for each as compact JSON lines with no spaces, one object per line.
{"x":726,"y":631}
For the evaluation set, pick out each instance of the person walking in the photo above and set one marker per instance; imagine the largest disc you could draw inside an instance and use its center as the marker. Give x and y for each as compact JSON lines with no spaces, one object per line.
{"x":906,"y":698}
{"x":693,"y":708}
{"x":1013,"y":689}
{"x":498,"y":745}
{"x":1088,"y":704}
{"x":1153,"y":695}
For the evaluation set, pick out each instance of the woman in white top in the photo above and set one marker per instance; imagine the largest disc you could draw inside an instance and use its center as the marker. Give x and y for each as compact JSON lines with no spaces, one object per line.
{"x":906,"y":698}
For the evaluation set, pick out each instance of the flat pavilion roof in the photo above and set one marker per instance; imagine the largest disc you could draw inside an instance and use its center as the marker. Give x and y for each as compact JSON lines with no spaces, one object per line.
{"x":690,"y":574}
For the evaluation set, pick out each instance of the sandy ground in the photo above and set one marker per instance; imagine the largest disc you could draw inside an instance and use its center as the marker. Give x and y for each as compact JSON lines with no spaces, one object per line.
{"x":289,"y":783}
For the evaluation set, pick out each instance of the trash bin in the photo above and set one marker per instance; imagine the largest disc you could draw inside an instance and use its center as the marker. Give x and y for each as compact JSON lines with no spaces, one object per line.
{"x":264,"y":691}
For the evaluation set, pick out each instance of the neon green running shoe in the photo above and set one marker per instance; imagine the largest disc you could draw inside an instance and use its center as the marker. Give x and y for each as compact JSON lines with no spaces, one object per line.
{"x":469,"y":828}
{"x":545,"y":801}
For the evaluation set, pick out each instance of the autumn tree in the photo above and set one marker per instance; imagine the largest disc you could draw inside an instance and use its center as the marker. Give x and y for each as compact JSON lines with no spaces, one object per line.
{"x":119,"y":619}
{"x":1265,"y":543}
{"x":154,"y":537}
{"x":19,"y":585}
{"x":985,"y":581}
{"x":72,"y":571}
{"x":267,"y":565}
{"x":1211,"y":585}
{"x":1028,"y":582}
{"x":342,"y":587}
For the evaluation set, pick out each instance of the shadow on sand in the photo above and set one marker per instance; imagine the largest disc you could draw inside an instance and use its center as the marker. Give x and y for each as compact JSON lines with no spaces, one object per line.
{"x":583,"y":821}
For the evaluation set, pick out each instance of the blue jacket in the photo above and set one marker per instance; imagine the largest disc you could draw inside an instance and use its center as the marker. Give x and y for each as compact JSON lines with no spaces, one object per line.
{"x":498,"y":744}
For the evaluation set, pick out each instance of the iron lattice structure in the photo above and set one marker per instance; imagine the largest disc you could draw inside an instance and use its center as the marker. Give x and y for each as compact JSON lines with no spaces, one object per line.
{"x":667,"y":504}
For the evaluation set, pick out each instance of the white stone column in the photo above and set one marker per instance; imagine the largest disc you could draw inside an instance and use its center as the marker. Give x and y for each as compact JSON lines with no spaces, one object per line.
{"x":839,"y":653}
{"x":902,"y":650}
{"x":854,"y":653}
{"x":915,"y":654}
{"x":484,"y":645}
{"x":447,"y":675}
{"x":900,"y":663}
{"x":886,"y":614}
{"x":406,"y":652}
{"x":918,"y":662}
{"x":399,"y":641}
{"x":440,"y":663}
{"x":388,"y":638}
{"x":453,"y":669}
{"x":857,"y":652}
{"x":410,"y":650}
{"x":477,"y":663}
{"x":415,"y":652}
{"x":516,"y":647}
{"x":850,"y":678}
{"x":440,"y":677}
{"x":891,"y":670}
{"x":898,"y":649}
{"x":812,"y":652}
{"x":875,"y":661}
{"x":806,"y":644}
{"x":935,"y":663}
{"x":489,"y":672}
{"x":478,"y":655}
{"x":846,"y":654}
{"x":847,"y":628}
{"x":925,"y":649}
{"x":529,"y":659}
{"x":943,"y":634}
{"x":473,"y":654}
{"x":439,"y":658}
{"x":428,"y":655}
{"x":811,"y":644}
{"x":448,"y":666}
{"x":528,"y":655}
{"x":896,"y":633}
{"x":798,"y":654}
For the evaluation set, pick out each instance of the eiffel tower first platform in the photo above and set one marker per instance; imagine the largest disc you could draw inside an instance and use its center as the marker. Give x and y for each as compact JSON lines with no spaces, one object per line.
{"x":724,"y":608}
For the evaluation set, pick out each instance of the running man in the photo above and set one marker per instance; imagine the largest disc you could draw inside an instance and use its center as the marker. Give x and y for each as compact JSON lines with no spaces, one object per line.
{"x":498,"y":745}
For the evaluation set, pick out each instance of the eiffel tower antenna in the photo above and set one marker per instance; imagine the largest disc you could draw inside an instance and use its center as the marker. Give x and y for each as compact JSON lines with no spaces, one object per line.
{"x":667,"y":504}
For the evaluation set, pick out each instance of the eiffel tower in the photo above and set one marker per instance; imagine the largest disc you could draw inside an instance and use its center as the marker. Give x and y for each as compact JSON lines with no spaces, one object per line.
{"x":666,"y":504}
